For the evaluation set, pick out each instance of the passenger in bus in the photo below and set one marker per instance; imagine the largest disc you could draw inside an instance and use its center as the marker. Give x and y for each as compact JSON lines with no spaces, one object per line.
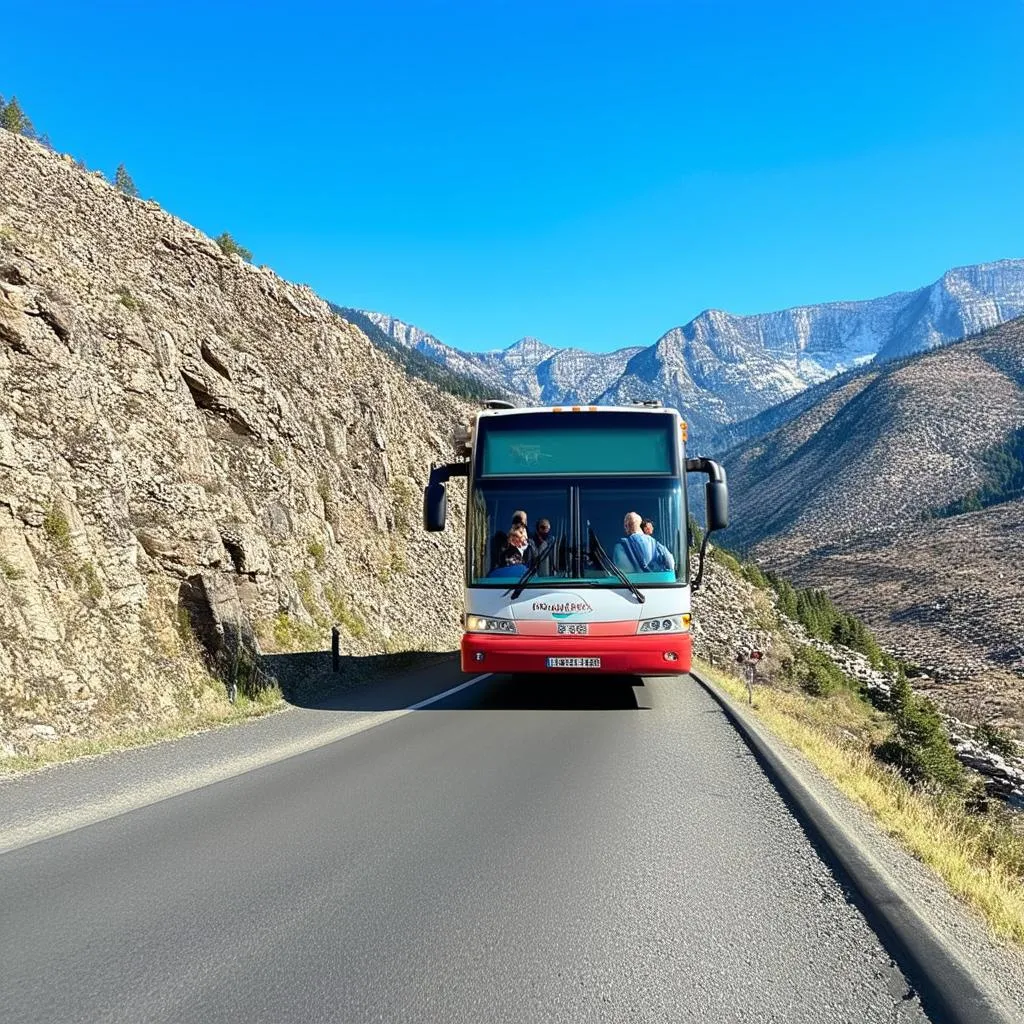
{"x":511,"y":565}
{"x":520,"y":540}
{"x":647,"y":526}
{"x":500,"y":540}
{"x":639,"y":552}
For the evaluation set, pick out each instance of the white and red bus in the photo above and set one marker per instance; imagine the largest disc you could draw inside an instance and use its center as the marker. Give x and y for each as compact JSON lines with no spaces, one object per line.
{"x":587,"y":599}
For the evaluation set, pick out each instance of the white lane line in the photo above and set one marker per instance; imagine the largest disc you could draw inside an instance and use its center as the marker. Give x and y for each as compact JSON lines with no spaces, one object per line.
{"x":60,"y":821}
{"x":447,"y":693}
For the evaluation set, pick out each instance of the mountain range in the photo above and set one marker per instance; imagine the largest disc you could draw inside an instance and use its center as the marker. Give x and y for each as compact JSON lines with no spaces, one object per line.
{"x":721,"y":368}
{"x":858,"y":437}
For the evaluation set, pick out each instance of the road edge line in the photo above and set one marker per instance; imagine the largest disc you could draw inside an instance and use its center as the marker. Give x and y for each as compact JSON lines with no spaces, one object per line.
{"x":948,"y":990}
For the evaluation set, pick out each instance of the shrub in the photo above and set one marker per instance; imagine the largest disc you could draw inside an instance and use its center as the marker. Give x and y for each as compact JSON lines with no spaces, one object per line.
{"x":726,"y":559}
{"x":752,"y":574}
{"x":290,"y":634}
{"x":57,"y":528}
{"x":918,"y":746}
{"x":125,"y":297}
{"x":817,"y":674}
{"x":228,"y":246}
{"x":997,"y":739}
{"x":318,"y":552}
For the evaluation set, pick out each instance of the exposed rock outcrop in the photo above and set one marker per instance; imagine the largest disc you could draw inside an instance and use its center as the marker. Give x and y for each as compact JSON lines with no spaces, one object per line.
{"x":193,"y":454}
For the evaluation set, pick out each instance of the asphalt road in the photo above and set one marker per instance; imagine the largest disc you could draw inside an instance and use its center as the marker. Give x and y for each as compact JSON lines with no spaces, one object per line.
{"x":556,"y":851}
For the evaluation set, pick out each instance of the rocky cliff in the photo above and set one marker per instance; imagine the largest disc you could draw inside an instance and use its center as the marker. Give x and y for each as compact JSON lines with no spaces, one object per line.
{"x":198,"y":462}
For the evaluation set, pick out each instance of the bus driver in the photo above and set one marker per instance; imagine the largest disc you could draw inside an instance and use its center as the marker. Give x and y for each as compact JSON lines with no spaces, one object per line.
{"x":640,"y":552}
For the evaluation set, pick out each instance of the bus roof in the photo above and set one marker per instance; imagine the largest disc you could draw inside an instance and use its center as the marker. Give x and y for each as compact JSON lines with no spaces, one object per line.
{"x":534,"y":409}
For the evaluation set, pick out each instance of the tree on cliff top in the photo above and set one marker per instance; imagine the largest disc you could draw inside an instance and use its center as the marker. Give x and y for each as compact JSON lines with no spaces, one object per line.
{"x":228,"y":246}
{"x":14,"y":119}
{"x":123,"y":182}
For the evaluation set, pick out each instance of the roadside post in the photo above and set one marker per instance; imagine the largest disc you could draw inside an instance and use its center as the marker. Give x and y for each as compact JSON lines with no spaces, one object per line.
{"x":749,"y":661}
{"x":335,"y":648}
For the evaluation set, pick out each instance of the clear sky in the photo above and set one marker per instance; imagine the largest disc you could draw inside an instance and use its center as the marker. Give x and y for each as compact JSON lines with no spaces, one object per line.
{"x":590,"y":173}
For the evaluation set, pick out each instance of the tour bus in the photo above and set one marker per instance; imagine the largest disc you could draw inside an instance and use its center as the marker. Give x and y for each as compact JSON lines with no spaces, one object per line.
{"x":583,"y":601}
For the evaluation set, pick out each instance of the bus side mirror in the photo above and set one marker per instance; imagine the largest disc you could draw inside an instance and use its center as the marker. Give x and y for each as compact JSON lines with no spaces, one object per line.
{"x":435,"y":496}
{"x":435,"y":507}
{"x":716,"y":504}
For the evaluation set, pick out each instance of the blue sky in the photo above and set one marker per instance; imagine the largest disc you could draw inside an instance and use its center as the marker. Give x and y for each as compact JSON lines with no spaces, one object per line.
{"x":592,"y":174}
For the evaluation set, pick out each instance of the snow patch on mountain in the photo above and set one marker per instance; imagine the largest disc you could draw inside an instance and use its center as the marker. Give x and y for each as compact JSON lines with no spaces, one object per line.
{"x":721,"y":367}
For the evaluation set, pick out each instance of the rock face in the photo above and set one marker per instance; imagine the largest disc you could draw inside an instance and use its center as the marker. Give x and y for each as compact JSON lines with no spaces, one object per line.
{"x":843,"y":496}
{"x":721,"y":369}
{"x":193,"y":454}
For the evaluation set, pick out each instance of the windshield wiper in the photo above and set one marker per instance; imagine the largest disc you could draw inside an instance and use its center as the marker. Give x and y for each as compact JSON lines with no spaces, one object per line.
{"x":609,"y":564}
{"x":523,"y":580}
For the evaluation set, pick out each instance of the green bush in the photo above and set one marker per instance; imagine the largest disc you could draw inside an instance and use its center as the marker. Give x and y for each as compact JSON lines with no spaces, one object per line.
{"x":751,"y":572}
{"x":318,"y":552}
{"x":228,"y":246}
{"x":817,"y":674}
{"x":726,"y":558}
{"x":919,"y":746}
{"x":125,"y":297}
{"x":57,"y":528}
{"x":997,"y":739}
{"x":14,"y":119}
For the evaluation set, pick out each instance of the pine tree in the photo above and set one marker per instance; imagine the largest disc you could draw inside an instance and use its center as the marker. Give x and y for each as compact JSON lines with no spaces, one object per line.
{"x":919,"y":745}
{"x":14,"y":119}
{"x":123,"y":182}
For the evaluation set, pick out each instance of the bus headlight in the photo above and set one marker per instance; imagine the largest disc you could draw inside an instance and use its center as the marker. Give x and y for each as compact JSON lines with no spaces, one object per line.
{"x":485,"y":624}
{"x":665,"y":624}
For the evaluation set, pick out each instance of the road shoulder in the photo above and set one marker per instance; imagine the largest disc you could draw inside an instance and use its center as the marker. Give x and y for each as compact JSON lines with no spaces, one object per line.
{"x":905,"y":892}
{"x":64,"y":797}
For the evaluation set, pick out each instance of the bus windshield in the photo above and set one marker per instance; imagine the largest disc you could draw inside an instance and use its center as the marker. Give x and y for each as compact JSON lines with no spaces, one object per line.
{"x":567,"y":519}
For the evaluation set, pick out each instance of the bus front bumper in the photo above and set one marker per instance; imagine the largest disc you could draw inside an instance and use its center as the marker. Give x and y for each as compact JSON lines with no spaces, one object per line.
{"x":665,"y":655}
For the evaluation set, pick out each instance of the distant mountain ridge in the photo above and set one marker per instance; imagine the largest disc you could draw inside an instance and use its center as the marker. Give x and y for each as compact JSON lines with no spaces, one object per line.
{"x":722,"y":368}
{"x":852,"y":493}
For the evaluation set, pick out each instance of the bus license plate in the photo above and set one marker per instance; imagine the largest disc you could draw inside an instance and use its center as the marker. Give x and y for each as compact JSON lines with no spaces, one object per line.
{"x":572,"y":629}
{"x":574,"y":662}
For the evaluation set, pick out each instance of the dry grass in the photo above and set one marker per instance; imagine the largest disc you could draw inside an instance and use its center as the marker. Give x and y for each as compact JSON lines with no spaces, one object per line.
{"x":71,"y":748}
{"x":980,"y":857}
